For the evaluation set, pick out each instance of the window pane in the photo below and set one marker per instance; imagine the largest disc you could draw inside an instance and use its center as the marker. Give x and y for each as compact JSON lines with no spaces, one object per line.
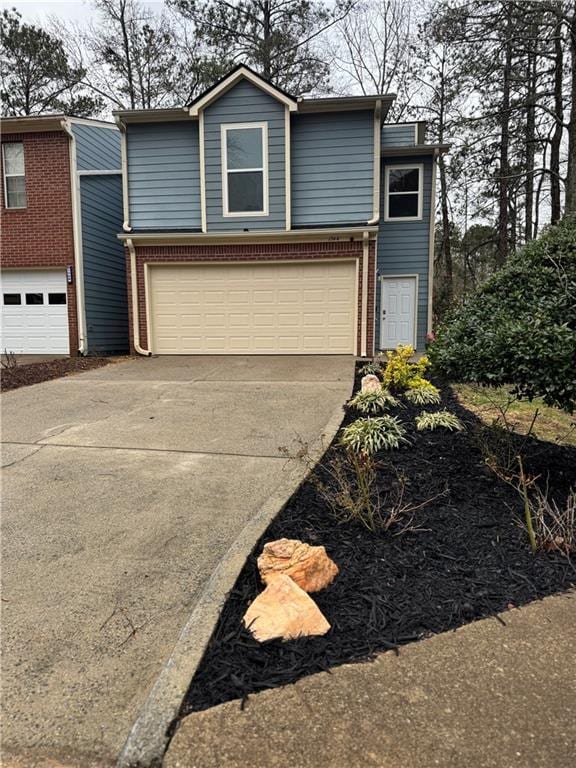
{"x":244,"y":147}
{"x":400,"y":206}
{"x":16,"y":192}
{"x":245,"y":191}
{"x":56,"y":298}
{"x":12,"y":298}
{"x":34,"y":298}
{"x":401,"y":180}
{"x":13,"y":158}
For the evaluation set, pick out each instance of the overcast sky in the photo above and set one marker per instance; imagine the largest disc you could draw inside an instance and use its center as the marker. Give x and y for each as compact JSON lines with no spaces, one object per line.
{"x":72,"y":10}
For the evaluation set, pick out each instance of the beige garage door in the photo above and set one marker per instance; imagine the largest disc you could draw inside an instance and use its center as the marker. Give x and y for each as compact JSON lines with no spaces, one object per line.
{"x":288,"y":308}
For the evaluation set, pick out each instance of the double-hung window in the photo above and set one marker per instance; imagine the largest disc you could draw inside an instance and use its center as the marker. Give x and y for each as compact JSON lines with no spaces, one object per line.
{"x":245,"y":169}
{"x":403,"y":193}
{"x":14,"y":176}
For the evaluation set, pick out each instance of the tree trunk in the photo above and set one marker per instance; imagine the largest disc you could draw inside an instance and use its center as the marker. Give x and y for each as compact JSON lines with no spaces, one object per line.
{"x":530,"y":145}
{"x":504,"y":178}
{"x":571,"y":175}
{"x":266,"y":46}
{"x":127,"y":54}
{"x":556,"y":142}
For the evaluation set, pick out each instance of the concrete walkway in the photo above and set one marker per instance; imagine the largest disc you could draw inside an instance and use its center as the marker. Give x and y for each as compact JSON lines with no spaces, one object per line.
{"x":123,"y":488}
{"x":486,"y":696}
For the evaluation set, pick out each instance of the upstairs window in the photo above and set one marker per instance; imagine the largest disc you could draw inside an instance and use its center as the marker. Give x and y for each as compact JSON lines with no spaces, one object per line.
{"x":403,"y":193}
{"x":245,"y":169}
{"x":14,"y":177}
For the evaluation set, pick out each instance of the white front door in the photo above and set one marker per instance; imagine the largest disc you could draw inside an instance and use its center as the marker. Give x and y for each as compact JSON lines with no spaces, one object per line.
{"x":34,"y":312}
{"x":397,"y":312}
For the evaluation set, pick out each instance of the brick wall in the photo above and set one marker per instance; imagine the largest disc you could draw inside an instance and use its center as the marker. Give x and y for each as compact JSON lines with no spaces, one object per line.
{"x":41,"y":235}
{"x":259,"y":252}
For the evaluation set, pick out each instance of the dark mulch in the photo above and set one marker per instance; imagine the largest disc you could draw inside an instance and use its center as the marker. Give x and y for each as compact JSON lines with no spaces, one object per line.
{"x":470,"y":560}
{"x":22,"y":375}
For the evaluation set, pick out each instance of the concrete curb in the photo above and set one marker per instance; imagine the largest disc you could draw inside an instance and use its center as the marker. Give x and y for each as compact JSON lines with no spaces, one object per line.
{"x":148,"y":738}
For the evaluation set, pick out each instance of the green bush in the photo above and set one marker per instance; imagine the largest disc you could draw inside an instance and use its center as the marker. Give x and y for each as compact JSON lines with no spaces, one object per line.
{"x":519,"y":328}
{"x":373,"y":402}
{"x":427,"y":394}
{"x":367,"y":436}
{"x":438,"y":420}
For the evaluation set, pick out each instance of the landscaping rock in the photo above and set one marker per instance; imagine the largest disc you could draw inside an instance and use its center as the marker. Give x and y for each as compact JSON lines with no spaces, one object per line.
{"x":310,"y":567}
{"x":370,"y":383}
{"x":284,"y":611}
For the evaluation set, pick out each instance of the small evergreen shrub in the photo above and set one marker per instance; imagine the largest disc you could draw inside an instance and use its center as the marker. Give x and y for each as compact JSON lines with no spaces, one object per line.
{"x":438,"y":420}
{"x":400,"y":373}
{"x":425,"y":394}
{"x":367,"y":436}
{"x":373,"y":402}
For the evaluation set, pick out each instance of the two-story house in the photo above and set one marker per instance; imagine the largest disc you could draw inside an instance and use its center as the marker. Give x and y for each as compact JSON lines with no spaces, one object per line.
{"x":260,"y":223}
{"x":63,"y":281}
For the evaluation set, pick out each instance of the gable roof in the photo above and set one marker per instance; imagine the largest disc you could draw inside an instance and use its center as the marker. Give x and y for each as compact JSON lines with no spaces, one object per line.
{"x":241,"y":72}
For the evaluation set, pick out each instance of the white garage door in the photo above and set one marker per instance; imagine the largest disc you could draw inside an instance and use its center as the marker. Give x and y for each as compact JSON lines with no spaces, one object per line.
{"x":34,"y":312}
{"x":287,"y":308}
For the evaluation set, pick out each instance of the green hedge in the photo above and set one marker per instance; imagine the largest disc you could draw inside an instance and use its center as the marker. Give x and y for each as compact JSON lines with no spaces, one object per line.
{"x":519,"y":328}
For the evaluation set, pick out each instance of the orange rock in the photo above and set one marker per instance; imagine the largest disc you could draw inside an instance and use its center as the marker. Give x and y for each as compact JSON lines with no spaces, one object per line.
{"x":370,"y":383}
{"x":310,"y":567}
{"x":284,"y":610}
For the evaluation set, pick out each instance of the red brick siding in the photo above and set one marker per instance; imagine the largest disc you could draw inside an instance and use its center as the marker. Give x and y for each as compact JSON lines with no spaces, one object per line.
{"x":41,"y":235}
{"x":255,"y":252}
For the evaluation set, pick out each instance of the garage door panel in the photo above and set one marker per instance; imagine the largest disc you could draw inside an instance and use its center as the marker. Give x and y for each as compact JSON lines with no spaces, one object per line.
{"x":285,"y":308}
{"x":34,"y":329}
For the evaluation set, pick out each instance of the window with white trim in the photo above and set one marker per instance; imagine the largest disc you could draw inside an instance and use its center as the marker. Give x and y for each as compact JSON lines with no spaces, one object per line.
{"x":403,"y":193}
{"x":245,"y":169}
{"x":14,"y":175}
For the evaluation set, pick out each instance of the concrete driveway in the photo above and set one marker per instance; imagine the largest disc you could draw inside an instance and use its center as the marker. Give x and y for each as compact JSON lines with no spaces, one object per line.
{"x":122,"y":489}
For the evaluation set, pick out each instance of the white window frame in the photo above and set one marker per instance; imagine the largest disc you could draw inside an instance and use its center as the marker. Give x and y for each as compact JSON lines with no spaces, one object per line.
{"x":404,"y":167}
{"x":224,"y":128}
{"x":6,"y":175}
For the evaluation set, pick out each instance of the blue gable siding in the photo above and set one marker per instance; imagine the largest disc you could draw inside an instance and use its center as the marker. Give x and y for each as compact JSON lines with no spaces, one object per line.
{"x":403,"y":247}
{"x":97,"y":147}
{"x":245,"y":103}
{"x":104,"y":264}
{"x":332,"y":168}
{"x":164,"y":175}
{"x":399,"y":135}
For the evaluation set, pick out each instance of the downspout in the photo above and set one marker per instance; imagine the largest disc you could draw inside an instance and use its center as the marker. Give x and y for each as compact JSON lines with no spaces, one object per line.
{"x":377,"y":157}
{"x":77,"y":238}
{"x":364,"y":324}
{"x":431,"y":238}
{"x":134,"y":292}
{"x":124,"y":155}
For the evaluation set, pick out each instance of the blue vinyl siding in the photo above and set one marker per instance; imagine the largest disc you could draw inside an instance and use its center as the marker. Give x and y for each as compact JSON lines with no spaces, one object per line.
{"x":164,"y":175}
{"x":399,"y":135}
{"x":104,"y":264}
{"x":97,"y":147}
{"x":332,"y":168}
{"x":245,"y":103}
{"x":403,"y":248}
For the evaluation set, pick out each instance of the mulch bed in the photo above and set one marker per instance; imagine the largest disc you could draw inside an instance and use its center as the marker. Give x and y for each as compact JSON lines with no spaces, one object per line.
{"x":469,"y":560}
{"x":22,"y":375}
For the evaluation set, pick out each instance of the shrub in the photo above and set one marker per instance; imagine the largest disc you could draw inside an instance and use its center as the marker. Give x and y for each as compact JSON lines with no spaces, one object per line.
{"x":373,"y":367}
{"x":400,"y":373}
{"x":554,"y":526}
{"x":438,"y":420}
{"x":373,"y":402}
{"x":367,"y":436}
{"x":519,"y":328}
{"x":426,"y":394}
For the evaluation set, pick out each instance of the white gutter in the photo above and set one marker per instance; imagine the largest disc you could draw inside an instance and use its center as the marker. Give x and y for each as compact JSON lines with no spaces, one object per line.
{"x":377,"y":156}
{"x":77,"y":236}
{"x":134,"y":291}
{"x":124,"y":154}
